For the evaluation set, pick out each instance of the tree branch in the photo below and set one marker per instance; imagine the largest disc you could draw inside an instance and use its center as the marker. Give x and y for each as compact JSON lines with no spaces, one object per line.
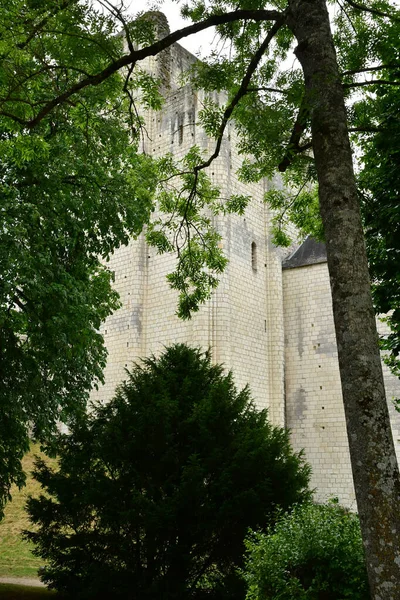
{"x":39,"y":72}
{"x":371,"y":82}
{"x":9,"y":115}
{"x":241,"y":91}
{"x":373,"y":11}
{"x":293,"y":146}
{"x":152,"y":50}
{"x":117,"y":12}
{"x":225,"y":118}
{"x":366,"y":129}
{"x":347,"y":17}
{"x":266,"y":89}
{"x":367,"y":69}
{"x":64,"y":4}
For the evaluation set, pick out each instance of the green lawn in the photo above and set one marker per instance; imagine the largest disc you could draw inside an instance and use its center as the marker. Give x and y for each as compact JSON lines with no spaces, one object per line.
{"x":16,"y":558}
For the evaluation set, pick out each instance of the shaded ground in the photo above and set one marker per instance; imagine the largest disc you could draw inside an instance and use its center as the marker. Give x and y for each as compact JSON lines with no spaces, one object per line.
{"x":23,"y":592}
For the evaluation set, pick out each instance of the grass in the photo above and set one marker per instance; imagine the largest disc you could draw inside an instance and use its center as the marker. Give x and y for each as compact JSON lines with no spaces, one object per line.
{"x":16,"y":558}
{"x":23,"y":592}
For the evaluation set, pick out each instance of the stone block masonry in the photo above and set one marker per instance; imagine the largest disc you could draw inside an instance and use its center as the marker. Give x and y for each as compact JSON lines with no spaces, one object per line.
{"x":243,"y":322}
{"x":273,"y":328}
{"x":314,"y":405}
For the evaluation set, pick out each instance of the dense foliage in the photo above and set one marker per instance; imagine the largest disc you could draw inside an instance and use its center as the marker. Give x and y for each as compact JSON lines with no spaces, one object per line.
{"x":313,"y":553}
{"x":72,"y":188}
{"x":380,"y":189}
{"x":156,"y":490}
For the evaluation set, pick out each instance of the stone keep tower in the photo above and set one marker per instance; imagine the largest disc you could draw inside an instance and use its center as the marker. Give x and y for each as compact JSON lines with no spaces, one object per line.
{"x":273,"y":327}
{"x":243,"y":322}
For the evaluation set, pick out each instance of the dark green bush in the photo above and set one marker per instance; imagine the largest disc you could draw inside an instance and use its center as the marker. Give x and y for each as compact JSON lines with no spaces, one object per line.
{"x":313,"y":553}
{"x":156,"y":490}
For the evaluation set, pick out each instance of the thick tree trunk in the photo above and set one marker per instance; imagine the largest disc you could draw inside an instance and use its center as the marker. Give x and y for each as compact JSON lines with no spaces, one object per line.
{"x":374,"y":464}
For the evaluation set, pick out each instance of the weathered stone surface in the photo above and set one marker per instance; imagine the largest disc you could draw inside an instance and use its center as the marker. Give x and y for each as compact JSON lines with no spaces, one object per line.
{"x":274,"y":329}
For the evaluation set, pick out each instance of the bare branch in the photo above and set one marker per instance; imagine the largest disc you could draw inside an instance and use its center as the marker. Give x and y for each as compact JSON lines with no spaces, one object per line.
{"x":304,"y":147}
{"x":18,"y":302}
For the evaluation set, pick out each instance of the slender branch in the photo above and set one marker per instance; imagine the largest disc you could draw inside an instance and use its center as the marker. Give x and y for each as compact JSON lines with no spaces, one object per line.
{"x":367,"y":69}
{"x":293,"y":146}
{"x":86,"y":38}
{"x":20,"y":100}
{"x":304,"y":147}
{"x":348,"y":17}
{"x":370,"y":82}
{"x":241,"y":91}
{"x":289,"y":205}
{"x":117,"y":12}
{"x":267,"y":89}
{"x":20,"y":305}
{"x":9,"y":115}
{"x":38,"y":103}
{"x":177,"y":174}
{"x":366,"y":129}
{"x":64,"y":4}
{"x":373,"y":11}
{"x":184,"y":225}
{"x":152,"y":50}
{"x":131,"y":101}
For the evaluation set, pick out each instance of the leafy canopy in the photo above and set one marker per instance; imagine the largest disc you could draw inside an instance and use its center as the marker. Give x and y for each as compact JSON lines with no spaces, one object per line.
{"x":73,"y":188}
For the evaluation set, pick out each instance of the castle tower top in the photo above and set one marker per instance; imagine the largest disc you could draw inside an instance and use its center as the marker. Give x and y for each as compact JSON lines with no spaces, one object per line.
{"x":160,"y":21}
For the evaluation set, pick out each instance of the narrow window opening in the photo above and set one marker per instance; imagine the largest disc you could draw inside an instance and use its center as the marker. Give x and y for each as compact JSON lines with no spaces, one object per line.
{"x":254,"y":256}
{"x":180,"y":133}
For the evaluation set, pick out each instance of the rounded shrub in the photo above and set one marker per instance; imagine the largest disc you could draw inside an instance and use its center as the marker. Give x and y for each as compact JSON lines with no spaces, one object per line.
{"x":314,"y":552}
{"x":156,"y":490}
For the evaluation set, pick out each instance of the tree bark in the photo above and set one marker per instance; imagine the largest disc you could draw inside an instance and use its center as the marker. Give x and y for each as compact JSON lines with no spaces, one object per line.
{"x":373,"y":458}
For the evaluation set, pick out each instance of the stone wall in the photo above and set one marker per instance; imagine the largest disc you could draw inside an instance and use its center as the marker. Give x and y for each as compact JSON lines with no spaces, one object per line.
{"x":274,"y":330}
{"x":243,"y":322}
{"x":314,"y":406}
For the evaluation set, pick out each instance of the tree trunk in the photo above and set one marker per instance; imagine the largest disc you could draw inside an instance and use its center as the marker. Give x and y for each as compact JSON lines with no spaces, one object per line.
{"x":374,"y":464}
